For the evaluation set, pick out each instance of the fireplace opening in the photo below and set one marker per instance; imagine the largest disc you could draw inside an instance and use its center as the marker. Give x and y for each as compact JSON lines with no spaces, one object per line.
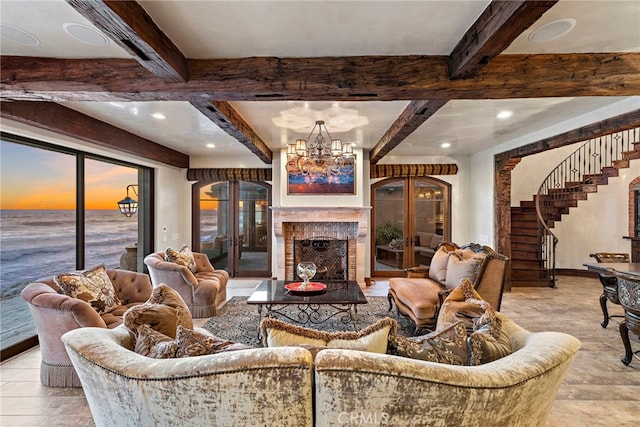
{"x":329,"y":255}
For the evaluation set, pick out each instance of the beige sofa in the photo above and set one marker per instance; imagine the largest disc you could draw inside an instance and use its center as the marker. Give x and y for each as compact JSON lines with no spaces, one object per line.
{"x":283,"y":386}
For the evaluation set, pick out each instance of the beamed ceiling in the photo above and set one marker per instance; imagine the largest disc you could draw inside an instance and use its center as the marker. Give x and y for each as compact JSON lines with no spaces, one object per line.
{"x":393,"y":77}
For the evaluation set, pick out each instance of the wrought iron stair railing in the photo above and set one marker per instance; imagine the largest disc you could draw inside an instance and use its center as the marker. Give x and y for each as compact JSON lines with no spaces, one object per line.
{"x":580,"y":173}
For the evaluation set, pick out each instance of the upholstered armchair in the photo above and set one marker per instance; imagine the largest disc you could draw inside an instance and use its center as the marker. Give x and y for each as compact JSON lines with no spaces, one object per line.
{"x":420,"y":298}
{"x":55,"y":313}
{"x":203,"y":290}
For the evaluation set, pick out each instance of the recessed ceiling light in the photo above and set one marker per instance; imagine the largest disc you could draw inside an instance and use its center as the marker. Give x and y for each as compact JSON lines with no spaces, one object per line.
{"x":445,"y":145}
{"x":16,"y":35}
{"x":158,"y":116}
{"x":85,"y":34}
{"x":505,"y":114}
{"x":211,"y":145}
{"x":552,"y":30}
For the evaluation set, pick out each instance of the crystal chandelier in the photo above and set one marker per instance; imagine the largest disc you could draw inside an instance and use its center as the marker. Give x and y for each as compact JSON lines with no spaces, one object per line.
{"x":320,"y":155}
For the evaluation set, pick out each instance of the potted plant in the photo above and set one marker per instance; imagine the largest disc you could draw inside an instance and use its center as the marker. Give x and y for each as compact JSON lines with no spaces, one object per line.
{"x":388,"y":232}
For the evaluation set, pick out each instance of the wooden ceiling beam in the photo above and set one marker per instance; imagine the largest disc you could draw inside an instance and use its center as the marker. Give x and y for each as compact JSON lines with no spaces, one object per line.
{"x":607,"y":126}
{"x":496,"y":28}
{"x":56,"y":118}
{"x":362,"y":78}
{"x":230,"y":121}
{"x":416,"y":113}
{"x":131,"y":28}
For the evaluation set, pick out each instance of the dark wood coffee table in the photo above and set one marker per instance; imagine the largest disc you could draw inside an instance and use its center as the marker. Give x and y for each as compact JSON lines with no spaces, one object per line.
{"x":341,"y":297}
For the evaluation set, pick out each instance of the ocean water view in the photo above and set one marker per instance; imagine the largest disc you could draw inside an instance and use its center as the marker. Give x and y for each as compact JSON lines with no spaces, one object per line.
{"x":39,"y":243}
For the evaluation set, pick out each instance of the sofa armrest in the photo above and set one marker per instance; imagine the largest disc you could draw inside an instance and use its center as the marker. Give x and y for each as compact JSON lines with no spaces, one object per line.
{"x":162,"y":271}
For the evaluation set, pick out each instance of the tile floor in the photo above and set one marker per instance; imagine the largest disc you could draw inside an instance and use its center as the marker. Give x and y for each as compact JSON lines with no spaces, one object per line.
{"x":598,"y":390}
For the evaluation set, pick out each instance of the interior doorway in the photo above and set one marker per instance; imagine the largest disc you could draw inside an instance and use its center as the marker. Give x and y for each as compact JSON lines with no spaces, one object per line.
{"x":410,"y":218}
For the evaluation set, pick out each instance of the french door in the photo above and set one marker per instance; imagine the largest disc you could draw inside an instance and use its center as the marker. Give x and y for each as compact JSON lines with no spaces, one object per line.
{"x":410,"y":217}
{"x":232,"y":226}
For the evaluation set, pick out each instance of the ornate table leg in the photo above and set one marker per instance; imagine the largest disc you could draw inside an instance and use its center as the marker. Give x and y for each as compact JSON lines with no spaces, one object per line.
{"x":605,"y":312}
{"x":624,"y":334}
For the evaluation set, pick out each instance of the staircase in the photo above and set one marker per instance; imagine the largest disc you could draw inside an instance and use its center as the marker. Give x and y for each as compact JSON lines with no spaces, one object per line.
{"x":590,"y":166}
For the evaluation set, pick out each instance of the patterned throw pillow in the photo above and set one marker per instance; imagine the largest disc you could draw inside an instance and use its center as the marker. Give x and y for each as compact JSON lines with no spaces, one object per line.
{"x":164,"y":311}
{"x":92,"y":286}
{"x":188,"y":343}
{"x":446,"y":346}
{"x":489,"y":341}
{"x":373,"y":338}
{"x":182,"y":257}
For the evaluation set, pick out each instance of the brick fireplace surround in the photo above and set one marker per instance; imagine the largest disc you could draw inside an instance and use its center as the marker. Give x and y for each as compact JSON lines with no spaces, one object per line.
{"x":351,"y":224}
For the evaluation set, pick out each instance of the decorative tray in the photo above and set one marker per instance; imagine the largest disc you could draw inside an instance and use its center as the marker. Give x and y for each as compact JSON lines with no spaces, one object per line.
{"x":312,"y":288}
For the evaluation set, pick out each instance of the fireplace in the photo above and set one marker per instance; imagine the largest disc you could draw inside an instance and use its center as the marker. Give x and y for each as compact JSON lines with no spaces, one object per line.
{"x":321,"y":223}
{"x":329,"y":255}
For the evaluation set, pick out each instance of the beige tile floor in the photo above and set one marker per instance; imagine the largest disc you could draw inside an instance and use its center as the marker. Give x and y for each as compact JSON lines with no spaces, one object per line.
{"x":598,"y":390}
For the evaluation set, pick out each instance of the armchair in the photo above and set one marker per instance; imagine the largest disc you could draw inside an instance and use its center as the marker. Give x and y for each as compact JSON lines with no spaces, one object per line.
{"x":55,"y":313}
{"x":202,"y":291}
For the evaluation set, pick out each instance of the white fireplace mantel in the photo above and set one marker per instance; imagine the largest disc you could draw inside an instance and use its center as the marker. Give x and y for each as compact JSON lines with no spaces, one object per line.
{"x":284,"y":215}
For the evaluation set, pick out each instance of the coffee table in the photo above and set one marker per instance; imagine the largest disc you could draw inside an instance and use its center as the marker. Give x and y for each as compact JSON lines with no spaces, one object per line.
{"x":341,"y":298}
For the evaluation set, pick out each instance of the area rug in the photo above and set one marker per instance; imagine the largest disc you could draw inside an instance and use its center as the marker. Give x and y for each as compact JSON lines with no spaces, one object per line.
{"x":238,"y":321}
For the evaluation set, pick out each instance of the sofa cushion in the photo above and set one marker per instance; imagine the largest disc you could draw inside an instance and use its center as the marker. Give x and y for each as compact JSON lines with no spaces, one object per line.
{"x":164,"y":311}
{"x":373,"y":338}
{"x":93,"y":286}
{"x":438,"y":266}
{"x":446,"y":346}
{"x":459,"y":268}
{"x":436,"y":239}
{"x":184,"y":256}
{"x":424,"y":238}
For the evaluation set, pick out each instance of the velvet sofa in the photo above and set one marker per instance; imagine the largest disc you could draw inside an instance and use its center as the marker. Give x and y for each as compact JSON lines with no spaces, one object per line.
{"x":284,"y":386}
{"x":55,"y":313}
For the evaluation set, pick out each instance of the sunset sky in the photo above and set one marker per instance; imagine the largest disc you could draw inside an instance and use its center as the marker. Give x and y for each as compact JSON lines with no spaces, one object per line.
{"x":34,"y":178}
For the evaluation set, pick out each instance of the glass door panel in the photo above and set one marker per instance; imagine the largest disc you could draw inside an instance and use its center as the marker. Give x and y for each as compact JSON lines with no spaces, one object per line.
{"x":389,"y":223}
{"x":214,"y":227}
{"x":252,"y":242}
{"x":429,"y":219}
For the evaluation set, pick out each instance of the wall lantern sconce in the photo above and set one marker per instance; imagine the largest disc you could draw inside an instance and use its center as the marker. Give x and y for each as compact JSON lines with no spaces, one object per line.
{"x":129,"y":206}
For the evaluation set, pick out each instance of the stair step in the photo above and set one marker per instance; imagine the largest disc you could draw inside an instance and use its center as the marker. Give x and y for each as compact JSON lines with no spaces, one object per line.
{"x":525,"y":254}
{"x":610,"y":171}
{"x":525,"y":264}
{"x":623,"y":163}
{"x":528,"y":273}
{"x":530,"y":283}
{"x":527,"y":204}
{"x":519,"y":238}
{"x":524,"y":227}
{"x":599,"y":179}
{"x":631,"y":155}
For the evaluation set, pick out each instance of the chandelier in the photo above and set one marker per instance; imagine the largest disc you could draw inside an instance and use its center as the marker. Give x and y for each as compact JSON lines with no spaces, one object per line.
{"x":320,"y":155}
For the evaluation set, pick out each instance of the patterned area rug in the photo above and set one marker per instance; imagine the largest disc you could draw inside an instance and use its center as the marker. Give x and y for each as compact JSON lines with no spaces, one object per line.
{"x":237,"y":321}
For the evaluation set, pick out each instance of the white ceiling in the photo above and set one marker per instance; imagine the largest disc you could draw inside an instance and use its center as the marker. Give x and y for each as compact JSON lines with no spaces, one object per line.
{"x":218,"y":29}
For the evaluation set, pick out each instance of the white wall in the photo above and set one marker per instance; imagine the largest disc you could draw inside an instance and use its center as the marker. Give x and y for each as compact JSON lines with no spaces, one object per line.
{"x":481,"y":182}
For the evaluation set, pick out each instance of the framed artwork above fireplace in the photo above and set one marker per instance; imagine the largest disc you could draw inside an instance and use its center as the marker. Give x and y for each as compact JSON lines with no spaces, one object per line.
{"x":321,"y":183}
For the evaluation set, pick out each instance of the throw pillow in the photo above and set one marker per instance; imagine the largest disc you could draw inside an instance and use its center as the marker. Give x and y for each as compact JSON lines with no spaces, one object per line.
{"x":165,"y":295}
{"x":93,"y":286}
{"x":188,"y":343}
{"x":152,"y":343}
{"x":435,"y":241}
{"x":459,"y":268}
{"x":373,"y":338}
{"x":489,"y":341}
{"x":438,"y":266}
{"x":184,"y":256}
{"x":464,"y":304}
{"x":446,"y":346}
{"x":424,"y":239}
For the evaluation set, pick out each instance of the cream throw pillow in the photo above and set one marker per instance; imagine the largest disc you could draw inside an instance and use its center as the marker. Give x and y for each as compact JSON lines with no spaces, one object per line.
{"x":374,"y":338}
{"x":459,"y":268}
{"x":438,"y":266}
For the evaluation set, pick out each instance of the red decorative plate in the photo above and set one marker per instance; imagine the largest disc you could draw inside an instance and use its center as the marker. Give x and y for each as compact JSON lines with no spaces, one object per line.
{"x":312,"y":287}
